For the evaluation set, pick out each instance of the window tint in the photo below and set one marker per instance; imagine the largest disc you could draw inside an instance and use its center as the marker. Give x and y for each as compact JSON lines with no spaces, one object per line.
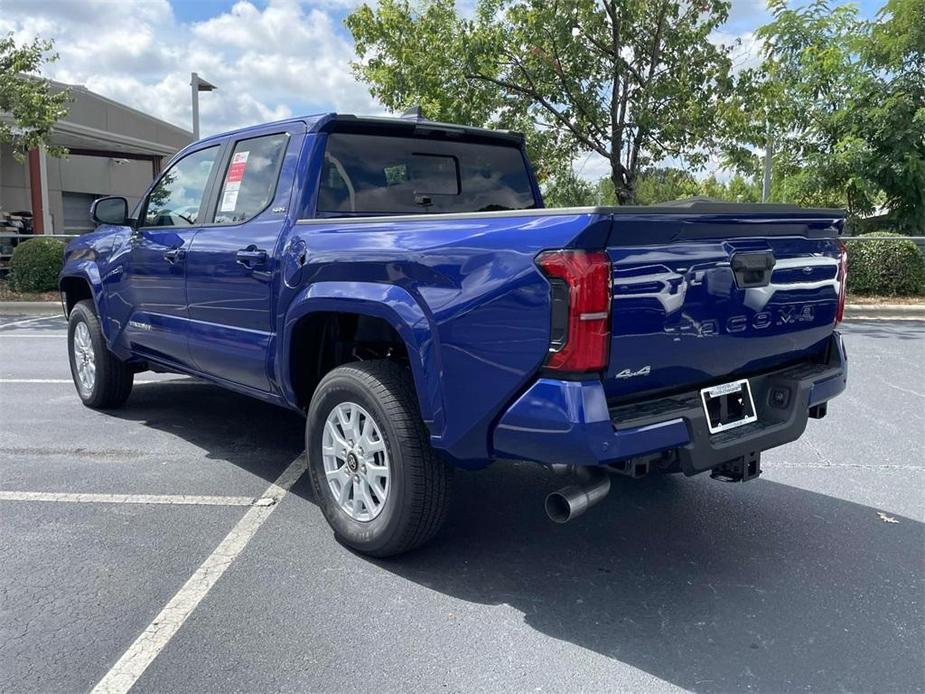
{"x":374,"y":174}
{"x":176,"y":198}
{"x":250,"y":180}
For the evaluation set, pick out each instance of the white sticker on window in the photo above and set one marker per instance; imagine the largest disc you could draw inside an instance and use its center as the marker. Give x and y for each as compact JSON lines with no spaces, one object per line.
{"x":233,"y":181}
{"x":229,"y":200}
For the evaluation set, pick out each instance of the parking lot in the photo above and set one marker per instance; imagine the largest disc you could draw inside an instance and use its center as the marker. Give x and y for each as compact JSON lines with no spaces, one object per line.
{"x":157,"y":546}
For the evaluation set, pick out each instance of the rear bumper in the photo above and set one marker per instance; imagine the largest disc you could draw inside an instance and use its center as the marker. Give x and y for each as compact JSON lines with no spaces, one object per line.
{"x":569,"y":421}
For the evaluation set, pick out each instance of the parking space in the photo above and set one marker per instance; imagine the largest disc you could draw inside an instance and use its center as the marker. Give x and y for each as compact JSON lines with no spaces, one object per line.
{"x":810,"y":578}
{"x":79,"y":579}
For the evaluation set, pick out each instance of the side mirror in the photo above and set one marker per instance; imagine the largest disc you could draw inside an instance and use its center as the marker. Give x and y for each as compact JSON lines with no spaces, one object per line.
{"x":111,"y":210}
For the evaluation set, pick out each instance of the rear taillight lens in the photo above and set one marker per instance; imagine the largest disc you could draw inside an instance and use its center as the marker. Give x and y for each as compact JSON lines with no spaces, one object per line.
{"x":842,"y":281}
{"x":580,"y":281}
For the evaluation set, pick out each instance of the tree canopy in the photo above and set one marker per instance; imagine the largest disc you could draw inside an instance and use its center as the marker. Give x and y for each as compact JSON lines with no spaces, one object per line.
{"x":843,"y":102}
{"x":633,"y":82}
{"x":27,"y":101}
{"x":646,"y":86}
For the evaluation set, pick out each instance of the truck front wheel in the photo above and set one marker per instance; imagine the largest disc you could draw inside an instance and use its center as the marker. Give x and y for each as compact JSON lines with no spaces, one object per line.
{"x":378,"y":482}
{"x":102,"y":380}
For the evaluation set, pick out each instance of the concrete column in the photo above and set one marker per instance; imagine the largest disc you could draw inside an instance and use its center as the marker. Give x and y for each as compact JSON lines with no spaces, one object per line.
{"x":47,"y":224}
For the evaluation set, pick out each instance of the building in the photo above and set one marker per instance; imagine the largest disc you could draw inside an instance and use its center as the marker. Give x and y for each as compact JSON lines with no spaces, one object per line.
{"x":114,"y":150}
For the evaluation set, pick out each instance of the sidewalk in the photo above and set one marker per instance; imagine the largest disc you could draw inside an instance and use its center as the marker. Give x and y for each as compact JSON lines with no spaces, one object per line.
{"x":30,"y":308}
{"x":885,"y":311}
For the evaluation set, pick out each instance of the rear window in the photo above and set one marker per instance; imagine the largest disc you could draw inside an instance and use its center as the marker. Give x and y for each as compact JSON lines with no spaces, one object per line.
{"x":375,"y":174}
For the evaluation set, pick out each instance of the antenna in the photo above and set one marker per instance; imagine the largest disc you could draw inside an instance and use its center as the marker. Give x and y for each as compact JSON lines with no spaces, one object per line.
{"x":413,"y":113}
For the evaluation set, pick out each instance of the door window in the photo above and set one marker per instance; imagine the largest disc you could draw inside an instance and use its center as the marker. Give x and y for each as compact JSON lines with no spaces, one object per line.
{"x":250,"y":181}
{"x":176,"y":198}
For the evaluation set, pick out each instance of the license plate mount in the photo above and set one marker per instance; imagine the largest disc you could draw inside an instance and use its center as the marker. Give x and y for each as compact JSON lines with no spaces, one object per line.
{"x":728,"y":406}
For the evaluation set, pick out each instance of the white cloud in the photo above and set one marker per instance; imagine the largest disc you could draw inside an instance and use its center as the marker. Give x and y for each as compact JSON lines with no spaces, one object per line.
{"x":746,"y":48}
{"x":591,"y":166}
{"x":268,"y":63}
{"x":747,"y":13}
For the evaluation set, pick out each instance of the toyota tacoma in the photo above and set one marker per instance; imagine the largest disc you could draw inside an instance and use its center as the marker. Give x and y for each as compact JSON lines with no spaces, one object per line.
{"x":400,"y":282}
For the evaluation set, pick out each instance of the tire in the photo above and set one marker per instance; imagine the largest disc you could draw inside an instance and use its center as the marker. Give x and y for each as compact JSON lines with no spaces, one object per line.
{"x":417,"y":489}
{"x":108,"y":383}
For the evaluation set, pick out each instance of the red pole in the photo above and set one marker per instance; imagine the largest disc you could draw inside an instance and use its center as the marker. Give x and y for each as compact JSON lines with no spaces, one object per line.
{"x":35,"y":189}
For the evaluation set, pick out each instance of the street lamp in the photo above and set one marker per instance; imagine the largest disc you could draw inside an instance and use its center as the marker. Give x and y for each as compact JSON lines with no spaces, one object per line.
{"x":197,"y":84}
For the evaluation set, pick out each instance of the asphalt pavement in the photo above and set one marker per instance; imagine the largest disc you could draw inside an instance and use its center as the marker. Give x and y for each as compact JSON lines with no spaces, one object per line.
{"x":808,"y":579}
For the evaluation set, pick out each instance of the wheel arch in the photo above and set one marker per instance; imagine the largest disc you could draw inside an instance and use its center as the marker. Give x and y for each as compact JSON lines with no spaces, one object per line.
{"x":79,"y":282}
{"x":370,"y":306}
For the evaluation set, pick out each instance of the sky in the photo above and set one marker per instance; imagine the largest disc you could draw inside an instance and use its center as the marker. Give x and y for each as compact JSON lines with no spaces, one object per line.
{"x":270,"y":59}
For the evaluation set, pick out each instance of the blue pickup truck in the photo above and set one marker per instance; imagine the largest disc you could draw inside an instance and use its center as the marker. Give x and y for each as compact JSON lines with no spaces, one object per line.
{"x":400,"y":282}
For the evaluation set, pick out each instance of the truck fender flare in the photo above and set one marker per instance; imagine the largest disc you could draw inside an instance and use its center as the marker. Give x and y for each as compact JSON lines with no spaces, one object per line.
{"x":399,"y":309}
{"x":89,"y":272}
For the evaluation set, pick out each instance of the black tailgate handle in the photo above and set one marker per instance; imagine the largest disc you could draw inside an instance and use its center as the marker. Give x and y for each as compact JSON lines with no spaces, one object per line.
{"x":753,"y":269}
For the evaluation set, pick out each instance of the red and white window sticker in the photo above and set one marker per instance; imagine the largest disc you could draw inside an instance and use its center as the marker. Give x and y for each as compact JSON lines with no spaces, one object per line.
{"x":233,"y":181}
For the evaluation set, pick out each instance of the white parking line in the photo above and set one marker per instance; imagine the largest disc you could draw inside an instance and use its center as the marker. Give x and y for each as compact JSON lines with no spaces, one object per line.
{"x":179,"y":499}
{"x":68,"y":380}
{"x":36,"y":380}
{"x":158,"y":633}
{"x":13,"y":334}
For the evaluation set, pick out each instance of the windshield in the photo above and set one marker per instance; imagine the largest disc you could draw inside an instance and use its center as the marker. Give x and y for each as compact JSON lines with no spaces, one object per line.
{"x":375,"y":174}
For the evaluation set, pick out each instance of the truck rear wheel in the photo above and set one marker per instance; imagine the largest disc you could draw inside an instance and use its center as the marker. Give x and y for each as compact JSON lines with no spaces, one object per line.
{"x":378,"y":482}
{"x":103,"y":381}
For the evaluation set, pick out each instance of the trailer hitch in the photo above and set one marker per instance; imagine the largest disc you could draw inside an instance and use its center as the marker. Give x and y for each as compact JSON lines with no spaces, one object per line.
{"x":741,"y":469}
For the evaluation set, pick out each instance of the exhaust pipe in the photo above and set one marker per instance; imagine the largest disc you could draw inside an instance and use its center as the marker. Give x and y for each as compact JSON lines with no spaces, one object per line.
{"x":571,"y":501}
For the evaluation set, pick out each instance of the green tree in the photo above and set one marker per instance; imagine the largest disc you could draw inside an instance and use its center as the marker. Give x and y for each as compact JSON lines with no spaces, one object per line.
{"x":570,"y":190}
{"x":32,"y":106}
{"x":633,"y":82}
{"x":741,"y":189}
{"x":657,"y":185}
{"x":711,"y":188}
{"x":843,"y":102}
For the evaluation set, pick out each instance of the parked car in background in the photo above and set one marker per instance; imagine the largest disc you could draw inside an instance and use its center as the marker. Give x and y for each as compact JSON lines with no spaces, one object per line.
{"x":400,"y":282}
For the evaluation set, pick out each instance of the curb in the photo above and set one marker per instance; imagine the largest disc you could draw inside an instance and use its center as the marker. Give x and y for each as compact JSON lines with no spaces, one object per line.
{"x":21,"y":308}
{"x":885,"y":311}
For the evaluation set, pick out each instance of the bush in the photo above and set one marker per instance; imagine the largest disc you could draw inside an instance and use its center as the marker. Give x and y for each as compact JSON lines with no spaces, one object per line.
{"x":885,"y":268}
{"x":35,"y":265}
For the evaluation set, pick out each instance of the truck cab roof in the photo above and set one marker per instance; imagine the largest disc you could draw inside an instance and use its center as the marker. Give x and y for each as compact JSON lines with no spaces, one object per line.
{"x":347,"y":122}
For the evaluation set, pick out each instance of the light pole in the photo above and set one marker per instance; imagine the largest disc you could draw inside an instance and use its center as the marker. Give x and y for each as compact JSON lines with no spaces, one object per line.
{"x":197,"y":84}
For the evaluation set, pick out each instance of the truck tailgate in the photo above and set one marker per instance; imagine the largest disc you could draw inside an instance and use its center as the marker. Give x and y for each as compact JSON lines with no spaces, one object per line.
{"x":689,"y":306}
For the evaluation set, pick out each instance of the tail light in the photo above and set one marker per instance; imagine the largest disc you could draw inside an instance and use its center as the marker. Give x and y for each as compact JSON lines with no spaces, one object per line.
{"x":842,"y":281}
{"x":580,"y":280}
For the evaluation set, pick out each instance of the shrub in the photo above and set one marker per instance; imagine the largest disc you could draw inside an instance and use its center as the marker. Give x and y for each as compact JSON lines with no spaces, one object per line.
{"x":35,"y":265}
{"x":885,"y":268}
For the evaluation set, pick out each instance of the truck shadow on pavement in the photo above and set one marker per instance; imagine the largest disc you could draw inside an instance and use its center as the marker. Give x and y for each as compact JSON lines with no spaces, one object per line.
{"x":709,"y":586}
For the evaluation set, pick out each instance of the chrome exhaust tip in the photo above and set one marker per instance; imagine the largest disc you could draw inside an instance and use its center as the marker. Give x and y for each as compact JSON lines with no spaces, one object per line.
{"x":572,"y":500}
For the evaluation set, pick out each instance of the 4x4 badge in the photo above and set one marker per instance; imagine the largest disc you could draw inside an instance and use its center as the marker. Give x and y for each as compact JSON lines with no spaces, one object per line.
{"x":629,"y":373}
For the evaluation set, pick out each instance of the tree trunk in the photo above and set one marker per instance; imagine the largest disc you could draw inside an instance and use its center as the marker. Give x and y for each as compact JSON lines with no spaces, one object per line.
{"x":624,"y":187}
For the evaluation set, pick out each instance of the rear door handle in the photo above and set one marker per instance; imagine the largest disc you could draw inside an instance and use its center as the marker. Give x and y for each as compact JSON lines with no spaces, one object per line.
{"x":175,"y":254}
{"x":251,"y":256}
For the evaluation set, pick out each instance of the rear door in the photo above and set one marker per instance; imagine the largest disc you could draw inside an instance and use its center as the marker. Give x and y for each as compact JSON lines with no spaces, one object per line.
{"x":155,"y":274}
{"x":703,"y":299}
{"x":232,"y":261}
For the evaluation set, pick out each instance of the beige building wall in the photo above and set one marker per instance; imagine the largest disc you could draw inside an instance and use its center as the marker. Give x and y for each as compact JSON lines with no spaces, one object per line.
{"x":76,"y":174}
{"x":93,"y":122}
{"x":14,"y":182}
